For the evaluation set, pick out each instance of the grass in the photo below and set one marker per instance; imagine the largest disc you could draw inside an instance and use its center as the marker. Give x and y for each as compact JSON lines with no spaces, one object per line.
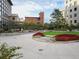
{"x":57,"y":33}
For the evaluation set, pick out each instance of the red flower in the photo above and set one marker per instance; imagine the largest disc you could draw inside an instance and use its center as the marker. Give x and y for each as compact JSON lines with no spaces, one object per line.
{"x":38,"y":34}
{"x":66,"y":37}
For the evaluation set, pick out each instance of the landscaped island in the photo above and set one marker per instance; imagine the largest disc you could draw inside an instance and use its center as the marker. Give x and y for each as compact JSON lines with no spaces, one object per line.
{"x":59,"y":36}
{"x":64,"y":36}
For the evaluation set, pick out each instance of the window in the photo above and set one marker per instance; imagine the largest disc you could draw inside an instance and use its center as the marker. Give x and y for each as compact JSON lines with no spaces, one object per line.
{"x":75,"y":15}
{"x":75,"y":9}
{"x":70,"y":16}
{"x":66,"y":15}
{"x":38,"y":22}
{"x":13,"y":18}
{"x":75,"y":21}
{"x":71,"y":21}
{"x":70,"y":10}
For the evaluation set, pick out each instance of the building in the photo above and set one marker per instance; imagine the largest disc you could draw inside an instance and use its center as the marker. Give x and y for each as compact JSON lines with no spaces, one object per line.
{"x":5,"y":11}
{"x":14,"y":17}
{"x":35,"y":20}
{"x":63,"y":12}
{"x":21,"y":21}
{"x":72,"y":11}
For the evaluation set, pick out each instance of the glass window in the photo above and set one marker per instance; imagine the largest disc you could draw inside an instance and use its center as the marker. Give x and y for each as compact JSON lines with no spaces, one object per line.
{"x":70,"y":10}
{"x":13,"y":18}
{"x":75,"y":9}
{"x":67,"y":16}
{"x":75,"y":21}
{"x":71,"y":21}
{"x":75,"y":15}
{"x":70,"y":16}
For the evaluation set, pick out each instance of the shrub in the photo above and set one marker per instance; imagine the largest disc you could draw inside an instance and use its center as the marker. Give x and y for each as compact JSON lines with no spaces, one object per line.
{"x":7,"y":52}
{"x":66,"y":37}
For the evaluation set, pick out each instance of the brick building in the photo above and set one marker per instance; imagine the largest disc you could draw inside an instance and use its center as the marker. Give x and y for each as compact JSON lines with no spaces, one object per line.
{"x":35,"y":20}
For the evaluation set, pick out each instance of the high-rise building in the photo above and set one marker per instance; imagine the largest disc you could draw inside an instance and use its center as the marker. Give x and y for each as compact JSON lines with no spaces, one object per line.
{"x":5,"y":10}
{"x":72,"y":11}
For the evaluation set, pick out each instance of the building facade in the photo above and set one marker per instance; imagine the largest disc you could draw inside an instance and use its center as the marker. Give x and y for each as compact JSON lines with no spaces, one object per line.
{"x":5,"y":11}
{"x":14,"y":17}
{"x":63,"y":12}
{"x":35,"y":20}
{"x":72,"y":11}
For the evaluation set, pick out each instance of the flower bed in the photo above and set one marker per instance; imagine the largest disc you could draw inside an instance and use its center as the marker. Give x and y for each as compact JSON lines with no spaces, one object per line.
{"x":38,"y":34}
{"x":66,"y":37}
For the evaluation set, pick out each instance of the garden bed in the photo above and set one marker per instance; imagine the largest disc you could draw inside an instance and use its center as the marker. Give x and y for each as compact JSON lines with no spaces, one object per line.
{"x":39,"y":36}
{"x":66,"y":37}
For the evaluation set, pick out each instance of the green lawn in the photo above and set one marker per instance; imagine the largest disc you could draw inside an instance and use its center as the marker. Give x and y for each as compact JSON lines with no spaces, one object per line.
{"x":57,"y":33}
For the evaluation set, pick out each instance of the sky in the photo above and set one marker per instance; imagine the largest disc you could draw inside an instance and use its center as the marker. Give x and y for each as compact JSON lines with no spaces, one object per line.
{"x":27,"y":8}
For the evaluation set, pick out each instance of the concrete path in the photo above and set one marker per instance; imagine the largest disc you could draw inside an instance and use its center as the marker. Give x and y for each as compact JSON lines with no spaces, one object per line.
{"x":32,"y":49}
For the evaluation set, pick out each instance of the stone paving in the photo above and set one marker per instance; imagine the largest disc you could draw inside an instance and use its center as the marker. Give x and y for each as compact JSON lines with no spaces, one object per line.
{"x":33,"y":49}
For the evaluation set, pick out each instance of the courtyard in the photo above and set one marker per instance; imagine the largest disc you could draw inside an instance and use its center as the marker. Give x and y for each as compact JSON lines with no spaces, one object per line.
{"x":33,"y":49}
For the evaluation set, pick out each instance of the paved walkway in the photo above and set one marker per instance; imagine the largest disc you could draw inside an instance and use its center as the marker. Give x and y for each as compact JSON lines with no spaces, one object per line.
{"x":32,"y":49}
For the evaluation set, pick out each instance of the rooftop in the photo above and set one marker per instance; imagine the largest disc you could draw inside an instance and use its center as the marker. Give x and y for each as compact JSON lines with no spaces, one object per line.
{"x":32,"y":18}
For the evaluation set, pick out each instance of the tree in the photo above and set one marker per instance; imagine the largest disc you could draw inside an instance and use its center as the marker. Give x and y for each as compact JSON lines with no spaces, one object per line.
{"x":46,"y":25}
{"x":7,"y":52}
{"x":77,"y":26}
{"x":60,"y":22}
{"x":9,"y":24}
{"x":51,"y":26}
{"x":32,"y":26}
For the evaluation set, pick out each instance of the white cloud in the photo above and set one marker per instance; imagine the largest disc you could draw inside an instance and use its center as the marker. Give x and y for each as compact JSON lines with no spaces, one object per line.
{"x":33,"y":7}
{"x":27,"y":8}
{"x":49,"y":5}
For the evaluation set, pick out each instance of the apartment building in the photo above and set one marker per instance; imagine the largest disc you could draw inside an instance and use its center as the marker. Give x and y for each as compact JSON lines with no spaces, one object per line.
{"x":35,"y":20}
{"x":72,"y":11}
{"x":63,"y":12}
{"x":5,"y":11}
